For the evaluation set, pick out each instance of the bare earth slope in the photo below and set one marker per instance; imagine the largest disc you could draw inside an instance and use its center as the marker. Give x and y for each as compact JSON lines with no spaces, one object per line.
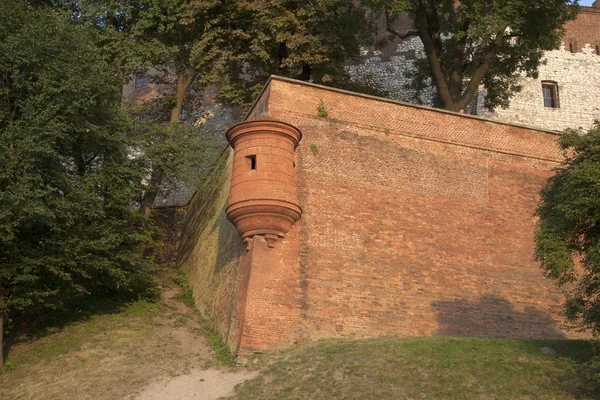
{"x":146,"y":351}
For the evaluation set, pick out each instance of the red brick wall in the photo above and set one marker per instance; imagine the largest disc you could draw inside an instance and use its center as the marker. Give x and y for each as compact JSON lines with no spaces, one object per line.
{"x":415,"y":222}
{"x":584,"y":30}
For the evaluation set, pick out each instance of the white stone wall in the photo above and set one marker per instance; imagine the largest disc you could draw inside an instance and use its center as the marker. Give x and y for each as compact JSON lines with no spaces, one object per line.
{"x":391,"y":73}
{"x":577,"y":76}
{"x":578,"y":79}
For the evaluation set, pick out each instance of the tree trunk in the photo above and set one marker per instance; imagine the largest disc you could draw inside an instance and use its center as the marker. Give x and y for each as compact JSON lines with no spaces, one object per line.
{"x":156,"y":178}
{"x":183,"y":83}
{"x":449,"y":86}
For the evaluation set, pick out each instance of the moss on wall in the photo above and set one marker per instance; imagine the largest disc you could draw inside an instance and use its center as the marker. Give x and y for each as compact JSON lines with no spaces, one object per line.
{"x":210,"y":249}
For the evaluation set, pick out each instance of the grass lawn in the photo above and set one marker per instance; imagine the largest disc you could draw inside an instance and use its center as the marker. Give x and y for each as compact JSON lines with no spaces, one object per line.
{"x":109,"y":348}
{"x":423,"y":368}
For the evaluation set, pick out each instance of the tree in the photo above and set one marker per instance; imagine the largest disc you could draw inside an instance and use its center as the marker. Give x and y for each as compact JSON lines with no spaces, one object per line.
{"x":305,"y":40}
{"x":68,"y":184}
{"x":165,"y":34}
{"x":568,"y":233}
{"x":474,"y":42}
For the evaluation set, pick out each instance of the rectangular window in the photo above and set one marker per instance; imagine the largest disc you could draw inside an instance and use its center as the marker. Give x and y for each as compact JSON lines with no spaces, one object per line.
{"x":598,"y":50}
{"x":550,"y":92}
{"x":141,"y":79}
{"x":251,"y":160}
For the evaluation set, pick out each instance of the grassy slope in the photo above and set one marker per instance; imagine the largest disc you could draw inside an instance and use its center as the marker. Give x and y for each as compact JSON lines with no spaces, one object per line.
{"x":425,"y":368}
{"x":109,"y":349}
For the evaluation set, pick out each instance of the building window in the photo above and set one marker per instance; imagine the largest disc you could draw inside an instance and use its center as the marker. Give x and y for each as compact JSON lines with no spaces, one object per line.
{"x":141,"y":79}
{"x":183,"y":115}
{"x":598,"y":49}
{"x":550,"y":91}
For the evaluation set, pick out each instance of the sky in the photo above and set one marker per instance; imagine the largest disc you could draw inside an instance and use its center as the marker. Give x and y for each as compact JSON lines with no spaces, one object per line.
{"x":586,"y":2}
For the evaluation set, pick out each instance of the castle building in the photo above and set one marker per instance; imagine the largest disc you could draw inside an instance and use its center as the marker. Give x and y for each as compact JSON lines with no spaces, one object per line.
{"x":345,"y":215}
{"x":565,"y":95}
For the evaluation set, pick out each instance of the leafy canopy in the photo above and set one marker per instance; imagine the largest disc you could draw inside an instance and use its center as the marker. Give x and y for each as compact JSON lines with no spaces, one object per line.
{"x":68,"y":184}
{"x":568,"y":234}
{"x":306,"y":40}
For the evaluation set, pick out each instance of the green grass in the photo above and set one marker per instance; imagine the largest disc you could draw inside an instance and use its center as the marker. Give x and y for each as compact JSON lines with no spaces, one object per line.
{"x":70,"y":331}
{"x":424,"y":368}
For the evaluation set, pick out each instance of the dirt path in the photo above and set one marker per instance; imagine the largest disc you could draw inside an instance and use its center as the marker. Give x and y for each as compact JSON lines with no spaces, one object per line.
{"x":197,"y":385}
{"x":145,"y":351}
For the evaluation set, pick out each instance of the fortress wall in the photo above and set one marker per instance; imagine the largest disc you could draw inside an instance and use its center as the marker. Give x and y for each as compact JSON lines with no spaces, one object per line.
{"x":584,"y":30}
{"x":210,"y":252}
{"x":415,"y":222}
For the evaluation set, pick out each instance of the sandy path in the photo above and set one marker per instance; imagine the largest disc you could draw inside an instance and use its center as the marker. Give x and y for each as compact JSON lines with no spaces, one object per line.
{"x":197,"y":385}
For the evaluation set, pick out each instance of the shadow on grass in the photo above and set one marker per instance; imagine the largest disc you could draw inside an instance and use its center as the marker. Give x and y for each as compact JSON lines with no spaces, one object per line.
{"x":493,"y":316}
{"x":28,"y":327}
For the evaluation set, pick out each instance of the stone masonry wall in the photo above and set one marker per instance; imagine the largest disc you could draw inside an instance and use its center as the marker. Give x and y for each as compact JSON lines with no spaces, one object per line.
{"x":209,"y":253}
{"x":576,"y":74}
{"x":415,"y":222}
{"x":390,"y":69}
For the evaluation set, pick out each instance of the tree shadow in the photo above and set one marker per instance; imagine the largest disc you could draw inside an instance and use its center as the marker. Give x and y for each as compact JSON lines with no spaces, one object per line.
{"x":201,"y":207}
{"x":29,"y":327}
{"x":493,"y":316}
{"x":229,"y":245}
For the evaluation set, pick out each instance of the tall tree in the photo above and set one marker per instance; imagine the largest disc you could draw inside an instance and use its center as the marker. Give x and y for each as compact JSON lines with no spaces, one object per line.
{"x":306,"y":40}
{"x":473,"y":42}
{"x":174,"y":27}
{"x":568,"y":234}
{"x":68,"y":183}
{"x":167,"y":28}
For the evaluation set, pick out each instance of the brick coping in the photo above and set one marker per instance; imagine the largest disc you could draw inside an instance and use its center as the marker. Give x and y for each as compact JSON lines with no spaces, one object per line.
{"x":382,"y":99}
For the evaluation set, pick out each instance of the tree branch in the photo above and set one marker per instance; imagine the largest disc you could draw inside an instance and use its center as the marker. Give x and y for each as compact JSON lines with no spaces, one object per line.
{"x":480,"y":72}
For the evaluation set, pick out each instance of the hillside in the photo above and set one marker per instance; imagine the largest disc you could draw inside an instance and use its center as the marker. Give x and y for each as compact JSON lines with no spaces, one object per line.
{"x":161,"y":350}
{"x":424,"y":368}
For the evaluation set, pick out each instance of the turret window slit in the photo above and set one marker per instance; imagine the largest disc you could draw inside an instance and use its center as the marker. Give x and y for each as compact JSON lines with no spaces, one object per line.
{"x":252,"y":162}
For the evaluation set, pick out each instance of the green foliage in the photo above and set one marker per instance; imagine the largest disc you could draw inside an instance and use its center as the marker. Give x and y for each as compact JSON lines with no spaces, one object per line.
{"x":568,"y":234}
{"x":178,"y":27}
{"x":321,"y":110}
{"x":314,"y":149}
{"x":68,"y":183}
{"x":306,"y":40}
{"x":493,"y":43}
{"x":181,"y":151}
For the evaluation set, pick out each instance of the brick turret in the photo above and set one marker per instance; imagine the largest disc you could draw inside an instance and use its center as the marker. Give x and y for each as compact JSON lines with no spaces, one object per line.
{"x":264,"y":197}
